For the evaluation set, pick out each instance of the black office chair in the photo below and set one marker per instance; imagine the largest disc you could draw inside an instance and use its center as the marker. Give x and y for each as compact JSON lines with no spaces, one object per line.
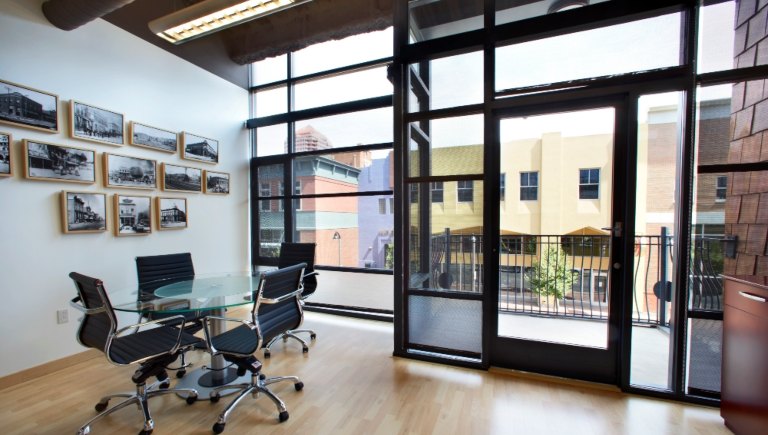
{"x":154,"y":271}
{"x":290,"y":254}
{"x":153,"y":349}
{"x":279,"y":291}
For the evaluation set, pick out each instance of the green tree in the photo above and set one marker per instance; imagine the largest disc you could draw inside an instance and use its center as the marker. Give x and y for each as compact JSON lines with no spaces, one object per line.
{"x":551,"y":276}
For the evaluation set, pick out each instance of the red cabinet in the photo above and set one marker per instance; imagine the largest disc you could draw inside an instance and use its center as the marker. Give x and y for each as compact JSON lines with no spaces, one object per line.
{"x":744,"y":404}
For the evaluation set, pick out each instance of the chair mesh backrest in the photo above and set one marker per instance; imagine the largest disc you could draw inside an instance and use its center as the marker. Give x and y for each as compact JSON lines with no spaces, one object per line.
{"x":157,"y":270}
{"x":274,"y":319}
{"x":295,"y":253}
{"x":94,"y":328}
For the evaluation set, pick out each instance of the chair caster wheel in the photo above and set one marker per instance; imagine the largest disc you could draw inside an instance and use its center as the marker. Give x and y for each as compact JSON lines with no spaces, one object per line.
{"x":145,"y":432}
{"x":283,"y":416}
{"x":191,"y":399}
{"x":165,"y":385}
{"x":305,"y":349}
{"x":214,"y":399}
{"x":262,"y":376}
{"x":101,"y":406}
{"x":312,"y":336}
{"x":298,"y":386}
{"x":266,"y":354}
{"x":180,"y":374}
{"x":218,"y":427}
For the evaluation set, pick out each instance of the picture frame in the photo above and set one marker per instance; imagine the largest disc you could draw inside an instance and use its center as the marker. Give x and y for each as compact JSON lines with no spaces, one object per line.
{"x":33,"y":108}
{"x":83,"y":212}
{"x":172,"y":213}
{"x":216,"y":183}
{"x":182,"y":178}
{"x":95,"y":124}
{"x":133,"y":215}
{"x":129,"y":172}
{"x":51,"y":162}
{"x":199,"y":148}
{"x":6,"y":164}
{"x":143,"y":135}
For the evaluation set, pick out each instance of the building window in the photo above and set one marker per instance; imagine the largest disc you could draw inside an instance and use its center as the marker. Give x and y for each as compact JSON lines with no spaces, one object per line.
{"x":436,"y":191}
{"x":465,"y":190}
{"x":265,"y":190}
{"x":382,"y":206}
{"x":414,"y":193}
{"x":391,"y":205}
{"x":298,"y":192}
{"x":502,"y":186}
{"x":589,"y":183}
{"x":281,"y":187}
{"x":721,"y":188}
{"x":529,"y":186}
{"x":518,"y":245}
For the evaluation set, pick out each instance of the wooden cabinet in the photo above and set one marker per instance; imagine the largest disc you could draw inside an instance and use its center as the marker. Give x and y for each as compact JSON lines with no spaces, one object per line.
{"x":744,"y":404}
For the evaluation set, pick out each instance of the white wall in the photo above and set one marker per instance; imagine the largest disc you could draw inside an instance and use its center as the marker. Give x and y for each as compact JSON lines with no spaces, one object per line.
{"x":102,"y":65}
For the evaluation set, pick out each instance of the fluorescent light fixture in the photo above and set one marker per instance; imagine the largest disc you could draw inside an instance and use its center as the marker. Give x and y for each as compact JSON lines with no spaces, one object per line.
{"x":213,"y":15}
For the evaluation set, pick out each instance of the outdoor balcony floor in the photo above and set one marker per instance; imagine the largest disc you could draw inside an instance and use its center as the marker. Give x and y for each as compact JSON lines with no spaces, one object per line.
{"x":650,"y":345}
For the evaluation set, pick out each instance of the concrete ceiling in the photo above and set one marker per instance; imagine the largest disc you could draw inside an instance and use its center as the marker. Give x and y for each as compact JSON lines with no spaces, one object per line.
{"x":227,"y":53}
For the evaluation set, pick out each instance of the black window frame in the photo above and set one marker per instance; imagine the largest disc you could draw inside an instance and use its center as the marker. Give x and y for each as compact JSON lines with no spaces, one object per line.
{"x":293,"y":200}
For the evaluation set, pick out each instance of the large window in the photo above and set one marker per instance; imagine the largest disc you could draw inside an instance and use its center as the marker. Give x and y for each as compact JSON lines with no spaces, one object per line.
{"x":330,"y":137}
{"x":668,"y":187}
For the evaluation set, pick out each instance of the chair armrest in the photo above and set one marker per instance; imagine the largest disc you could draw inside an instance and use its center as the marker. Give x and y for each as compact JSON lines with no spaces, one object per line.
{"x":314,"y":272}
{"x":162,"y":321}
{"x":77,"y":304}
{"x":135,"y":327}
{"x":290,"y":295}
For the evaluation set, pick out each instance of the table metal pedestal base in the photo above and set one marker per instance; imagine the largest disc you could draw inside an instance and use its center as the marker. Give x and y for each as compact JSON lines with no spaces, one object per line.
{"x":204,"y":381}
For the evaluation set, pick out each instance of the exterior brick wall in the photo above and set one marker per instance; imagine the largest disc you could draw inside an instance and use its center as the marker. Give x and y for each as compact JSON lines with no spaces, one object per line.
{"x":747,"y":201}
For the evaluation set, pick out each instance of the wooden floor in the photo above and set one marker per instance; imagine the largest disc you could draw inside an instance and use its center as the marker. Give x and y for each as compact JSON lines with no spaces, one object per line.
{"x":354,"y":386}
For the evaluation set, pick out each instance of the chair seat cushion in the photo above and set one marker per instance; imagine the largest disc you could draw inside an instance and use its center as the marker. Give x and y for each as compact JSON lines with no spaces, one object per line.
{"x":134,"y":347}
{"x":241,"y":340}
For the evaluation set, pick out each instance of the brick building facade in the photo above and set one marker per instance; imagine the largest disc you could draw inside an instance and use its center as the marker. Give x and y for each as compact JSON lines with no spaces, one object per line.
{"x":746,"y":214}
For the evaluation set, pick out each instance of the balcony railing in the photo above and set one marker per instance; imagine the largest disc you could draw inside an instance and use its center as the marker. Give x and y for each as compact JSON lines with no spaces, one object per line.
{"x":567,"y":275}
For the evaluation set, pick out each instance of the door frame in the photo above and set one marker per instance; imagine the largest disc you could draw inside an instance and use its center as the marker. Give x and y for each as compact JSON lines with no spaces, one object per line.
{"x":576,"y":362}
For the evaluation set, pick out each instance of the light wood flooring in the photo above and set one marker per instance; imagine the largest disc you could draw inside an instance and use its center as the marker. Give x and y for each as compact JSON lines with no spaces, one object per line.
{"x":353,"y":385}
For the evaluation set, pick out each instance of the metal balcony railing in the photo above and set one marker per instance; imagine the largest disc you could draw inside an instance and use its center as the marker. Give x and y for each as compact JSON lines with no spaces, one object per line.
{"x":567,"y":275}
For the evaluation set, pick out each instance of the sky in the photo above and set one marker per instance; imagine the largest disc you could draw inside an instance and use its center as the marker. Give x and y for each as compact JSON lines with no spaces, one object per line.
{"x":636,"y":46}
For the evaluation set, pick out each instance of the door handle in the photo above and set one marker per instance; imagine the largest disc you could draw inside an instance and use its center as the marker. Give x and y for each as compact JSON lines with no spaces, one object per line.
{"x":616,"y":230}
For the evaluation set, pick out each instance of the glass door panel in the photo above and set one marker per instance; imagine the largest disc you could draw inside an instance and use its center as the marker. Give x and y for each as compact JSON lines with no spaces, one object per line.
{"x":555,"y":218}
{"x":656,"y":215}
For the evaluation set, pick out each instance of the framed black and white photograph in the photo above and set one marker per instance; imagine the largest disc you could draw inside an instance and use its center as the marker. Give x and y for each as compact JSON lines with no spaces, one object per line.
{"x":6,"y":169}
{"x":83,"y":212}
{"x":130,"y":172}
{"x":50,"y":162}
{"x":216,"y":183}
{"x":182,"y":178}
{"x":172,"y":213}
{"x":133,"y":215}
{"x":199,"y":148}
{"x":154,"y":138}
{"x":28,"y":107}
{"x":96,"y":124}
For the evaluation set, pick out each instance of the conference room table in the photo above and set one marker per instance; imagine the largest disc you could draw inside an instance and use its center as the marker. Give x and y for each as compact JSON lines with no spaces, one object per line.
{"x":208,"y":294}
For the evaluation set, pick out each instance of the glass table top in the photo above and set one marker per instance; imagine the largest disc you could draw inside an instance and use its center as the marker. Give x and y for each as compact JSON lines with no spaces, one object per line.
{"x":201,"y":292}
